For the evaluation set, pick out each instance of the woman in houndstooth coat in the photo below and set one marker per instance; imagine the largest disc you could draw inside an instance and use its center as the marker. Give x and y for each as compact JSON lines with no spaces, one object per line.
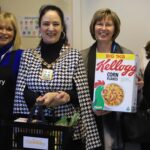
{"x":54,"y":73}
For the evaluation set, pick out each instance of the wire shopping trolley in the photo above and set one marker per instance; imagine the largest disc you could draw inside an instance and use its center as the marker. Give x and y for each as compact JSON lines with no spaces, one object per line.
{"x":40,"y":135}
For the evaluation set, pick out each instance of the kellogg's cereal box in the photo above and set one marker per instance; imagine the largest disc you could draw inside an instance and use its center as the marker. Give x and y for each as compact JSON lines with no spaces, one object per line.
{"x":115,"y":86}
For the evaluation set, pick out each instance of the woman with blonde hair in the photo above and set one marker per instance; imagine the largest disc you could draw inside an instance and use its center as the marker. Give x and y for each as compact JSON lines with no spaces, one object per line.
{"x":104,"y":29}
{"x":10,"y":54}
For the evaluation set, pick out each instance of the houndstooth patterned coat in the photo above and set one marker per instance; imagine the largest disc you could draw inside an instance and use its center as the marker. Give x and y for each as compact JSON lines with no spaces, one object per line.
{"x":68,"y":68}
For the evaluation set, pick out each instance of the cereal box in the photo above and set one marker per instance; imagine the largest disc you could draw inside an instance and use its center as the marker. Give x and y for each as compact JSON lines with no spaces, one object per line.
{"x":115,"y":86}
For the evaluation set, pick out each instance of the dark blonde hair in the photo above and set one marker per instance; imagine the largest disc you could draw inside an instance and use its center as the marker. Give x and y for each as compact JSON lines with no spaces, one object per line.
{"x":11,"y":17}
{"x":147,"y":50}
{"x":102,"y":14}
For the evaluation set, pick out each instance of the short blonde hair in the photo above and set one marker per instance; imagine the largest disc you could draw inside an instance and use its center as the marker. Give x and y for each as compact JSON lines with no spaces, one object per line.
{"x":102,"y":14}
{"x":11,"y":17}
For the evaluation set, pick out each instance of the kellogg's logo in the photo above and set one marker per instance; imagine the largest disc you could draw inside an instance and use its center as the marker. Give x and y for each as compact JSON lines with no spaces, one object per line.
{"x":116,"y":65}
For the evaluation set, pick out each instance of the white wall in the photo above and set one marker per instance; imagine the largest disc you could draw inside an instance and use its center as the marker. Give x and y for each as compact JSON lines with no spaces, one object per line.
{"x":134,"y":16}
{"x":31,"y":8}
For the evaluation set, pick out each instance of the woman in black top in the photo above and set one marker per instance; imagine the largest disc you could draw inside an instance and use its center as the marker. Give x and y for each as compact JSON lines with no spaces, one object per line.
{"x":146,"y":87}
{"x":10,"y":54}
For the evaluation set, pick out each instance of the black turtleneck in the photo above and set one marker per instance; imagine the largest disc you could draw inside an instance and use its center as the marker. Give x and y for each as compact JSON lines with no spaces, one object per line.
{"x":50,"y":52}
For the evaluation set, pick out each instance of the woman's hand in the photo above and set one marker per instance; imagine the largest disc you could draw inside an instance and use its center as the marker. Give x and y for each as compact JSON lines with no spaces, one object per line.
{"x":52,"y":99}
{"x":101,"y":112}
{"x":140,"y":82}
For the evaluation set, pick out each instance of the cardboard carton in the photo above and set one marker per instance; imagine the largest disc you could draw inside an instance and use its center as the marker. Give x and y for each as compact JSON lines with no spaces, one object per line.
{"x":115,"y":86}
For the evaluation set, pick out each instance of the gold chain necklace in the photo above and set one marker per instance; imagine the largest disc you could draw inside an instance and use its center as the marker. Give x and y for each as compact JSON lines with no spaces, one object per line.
{"x":50,"y":66}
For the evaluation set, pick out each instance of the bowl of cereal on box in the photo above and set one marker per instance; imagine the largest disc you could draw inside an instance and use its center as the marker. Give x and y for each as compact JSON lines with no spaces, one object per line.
{"x":113,"y":94}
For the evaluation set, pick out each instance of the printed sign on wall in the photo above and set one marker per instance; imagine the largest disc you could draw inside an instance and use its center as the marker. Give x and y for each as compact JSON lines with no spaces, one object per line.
{"x":29,"y":26}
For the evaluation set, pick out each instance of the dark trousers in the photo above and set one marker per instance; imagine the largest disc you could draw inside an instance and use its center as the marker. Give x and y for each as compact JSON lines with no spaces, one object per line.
{"x":78,"y":145}
{"x":75,"y":145}
{"x":100,"y":131}
{"x":145,"y":146}
{"x":5,"y":135}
